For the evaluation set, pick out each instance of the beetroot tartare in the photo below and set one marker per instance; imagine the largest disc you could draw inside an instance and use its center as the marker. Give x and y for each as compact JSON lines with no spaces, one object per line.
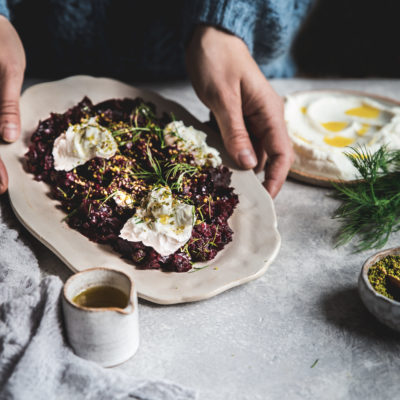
{"x":102,"y":194}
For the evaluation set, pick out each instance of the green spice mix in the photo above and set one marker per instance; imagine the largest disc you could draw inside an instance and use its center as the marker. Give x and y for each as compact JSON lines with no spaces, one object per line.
{"x":379,"y":276}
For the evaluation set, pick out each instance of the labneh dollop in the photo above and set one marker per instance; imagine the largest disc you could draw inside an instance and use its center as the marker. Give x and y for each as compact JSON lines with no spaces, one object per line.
{"x":82,"y":142}
{"x":324,"y":125}
{"x":193,"y":141}
{"x":163,"y":222}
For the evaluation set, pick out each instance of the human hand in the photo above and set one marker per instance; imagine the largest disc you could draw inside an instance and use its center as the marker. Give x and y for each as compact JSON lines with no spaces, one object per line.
{"x":12,"y":67}
{"x":228,"y":81}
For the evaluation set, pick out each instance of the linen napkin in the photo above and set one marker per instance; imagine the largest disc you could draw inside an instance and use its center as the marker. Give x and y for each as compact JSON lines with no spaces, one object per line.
{"x":35,"y":361}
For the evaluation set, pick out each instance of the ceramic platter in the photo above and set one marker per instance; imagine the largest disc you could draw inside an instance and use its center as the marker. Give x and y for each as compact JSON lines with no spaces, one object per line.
{"x":312,"y":177}
{"x":256,"y":240}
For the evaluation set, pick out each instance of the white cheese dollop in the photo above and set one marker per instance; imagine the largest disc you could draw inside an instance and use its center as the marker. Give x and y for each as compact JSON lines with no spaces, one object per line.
{"x":193,"y":141}
{"x":322,"y":126}
{"x":163,"y":223}
{"x":123,"y":199}
{"x":82,"y":142}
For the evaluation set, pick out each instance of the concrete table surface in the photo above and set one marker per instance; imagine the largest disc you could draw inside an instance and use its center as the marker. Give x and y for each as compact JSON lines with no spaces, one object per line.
{"x":298,"y":332}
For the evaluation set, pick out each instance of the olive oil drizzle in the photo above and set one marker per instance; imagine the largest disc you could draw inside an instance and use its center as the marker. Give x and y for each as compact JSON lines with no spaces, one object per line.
{"x":101,"y":297}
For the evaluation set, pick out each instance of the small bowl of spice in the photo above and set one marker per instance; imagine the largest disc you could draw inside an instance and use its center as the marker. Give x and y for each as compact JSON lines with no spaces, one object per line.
{"x":379,"y":286}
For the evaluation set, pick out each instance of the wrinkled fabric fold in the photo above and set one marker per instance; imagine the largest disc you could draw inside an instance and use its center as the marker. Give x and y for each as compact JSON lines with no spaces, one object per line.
{"x":35,"y":361}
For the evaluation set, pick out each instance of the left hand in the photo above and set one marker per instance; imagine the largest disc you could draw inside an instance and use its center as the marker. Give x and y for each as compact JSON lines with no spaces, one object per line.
{"x":228,"y":81}
{"x":12,"y":67}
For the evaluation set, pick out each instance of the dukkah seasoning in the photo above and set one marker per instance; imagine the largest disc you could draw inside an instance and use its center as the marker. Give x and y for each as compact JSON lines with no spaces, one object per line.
{"x":384,"y":277}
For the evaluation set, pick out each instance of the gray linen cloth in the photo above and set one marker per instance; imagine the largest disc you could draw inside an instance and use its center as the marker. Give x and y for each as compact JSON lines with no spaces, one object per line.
{"x":35,"y":362}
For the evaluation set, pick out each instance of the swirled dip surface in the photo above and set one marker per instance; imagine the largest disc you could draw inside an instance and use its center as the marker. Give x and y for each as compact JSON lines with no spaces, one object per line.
{"x":324,"y":125}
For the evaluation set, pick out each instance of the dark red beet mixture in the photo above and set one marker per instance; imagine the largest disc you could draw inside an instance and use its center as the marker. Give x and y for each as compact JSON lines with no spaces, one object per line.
{"x":85,"y":193}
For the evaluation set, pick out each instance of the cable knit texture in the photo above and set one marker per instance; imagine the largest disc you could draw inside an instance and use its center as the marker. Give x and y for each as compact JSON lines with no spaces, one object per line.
{"x":35,"y":362}
{"x":132,"y":39}
{"x":4,"y":9}
{"x":266,"y":26}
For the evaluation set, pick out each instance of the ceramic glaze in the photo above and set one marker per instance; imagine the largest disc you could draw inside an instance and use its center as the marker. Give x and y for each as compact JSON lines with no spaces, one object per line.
{"x":109,"y":336}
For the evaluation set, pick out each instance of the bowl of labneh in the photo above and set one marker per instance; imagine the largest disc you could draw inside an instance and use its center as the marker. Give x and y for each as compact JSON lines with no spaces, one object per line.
{"x":379,"y":286}
{"x":324,"y":125}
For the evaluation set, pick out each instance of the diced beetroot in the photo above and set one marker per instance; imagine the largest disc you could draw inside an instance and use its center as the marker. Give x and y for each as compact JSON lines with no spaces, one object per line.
{"x":86,"y":192}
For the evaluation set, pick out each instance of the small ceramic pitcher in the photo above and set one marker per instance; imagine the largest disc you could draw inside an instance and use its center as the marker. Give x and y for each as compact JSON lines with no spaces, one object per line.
{"x":109,"y":336}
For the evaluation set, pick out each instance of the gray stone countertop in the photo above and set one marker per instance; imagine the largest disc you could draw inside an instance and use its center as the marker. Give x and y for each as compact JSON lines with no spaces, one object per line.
{"x":261,"y":340}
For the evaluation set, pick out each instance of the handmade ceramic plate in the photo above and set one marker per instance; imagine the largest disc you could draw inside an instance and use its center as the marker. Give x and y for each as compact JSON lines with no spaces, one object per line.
{"x":256,"y":240}
{"x":313,"y":177}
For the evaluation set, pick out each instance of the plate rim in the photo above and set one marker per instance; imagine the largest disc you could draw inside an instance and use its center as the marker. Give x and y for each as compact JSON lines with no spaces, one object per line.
{"x":183,"y":298}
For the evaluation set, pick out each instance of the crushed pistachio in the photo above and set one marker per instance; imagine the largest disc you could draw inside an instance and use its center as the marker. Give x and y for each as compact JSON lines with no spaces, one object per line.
{"x":384,"y":275}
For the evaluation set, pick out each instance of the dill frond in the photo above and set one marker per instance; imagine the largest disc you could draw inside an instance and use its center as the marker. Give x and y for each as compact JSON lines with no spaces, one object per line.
{"x":177,"y":172}
{"x":370,"y":206}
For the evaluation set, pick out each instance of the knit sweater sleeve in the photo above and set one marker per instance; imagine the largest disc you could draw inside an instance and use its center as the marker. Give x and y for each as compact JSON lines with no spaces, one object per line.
{"x":4,"y":9}
{"x":266,"y":26}
{"x":235,"y":16}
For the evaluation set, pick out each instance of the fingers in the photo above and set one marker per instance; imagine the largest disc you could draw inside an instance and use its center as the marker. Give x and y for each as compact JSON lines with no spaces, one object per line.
{"x":10,"y":88}
{"x":259,"y":148}
{"x":229,"y":116}
{"x":280,"y":157}
{"x":266,"y":122}
{"x":276,"y":172}
{"x":3,"y":178}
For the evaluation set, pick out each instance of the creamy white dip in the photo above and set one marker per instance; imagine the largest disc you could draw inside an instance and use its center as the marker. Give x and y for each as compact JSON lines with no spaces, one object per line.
{"x":324,"y":125}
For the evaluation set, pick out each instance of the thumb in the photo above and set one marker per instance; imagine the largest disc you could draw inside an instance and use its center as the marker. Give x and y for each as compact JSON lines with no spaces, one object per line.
{"x":3,"y":177}
{"x":236,"y":139}
{"x":10,"y":88}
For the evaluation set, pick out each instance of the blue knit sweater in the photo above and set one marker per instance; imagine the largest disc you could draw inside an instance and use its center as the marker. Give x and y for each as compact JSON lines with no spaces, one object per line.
{"x":146,"y":39}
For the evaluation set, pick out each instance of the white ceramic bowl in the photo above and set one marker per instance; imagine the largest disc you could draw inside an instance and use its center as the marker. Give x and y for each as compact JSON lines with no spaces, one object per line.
{"x":307,"y":173}
{"x":109,"y":336}
{"x":384,"y":309}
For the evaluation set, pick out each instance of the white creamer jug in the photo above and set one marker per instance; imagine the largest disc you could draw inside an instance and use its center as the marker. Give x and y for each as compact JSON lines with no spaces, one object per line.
{"x":107,"y":335}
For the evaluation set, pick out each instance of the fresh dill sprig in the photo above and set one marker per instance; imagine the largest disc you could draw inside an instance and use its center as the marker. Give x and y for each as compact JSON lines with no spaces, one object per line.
{"x":212,"y":242}
{"x":62,"y":192}
{"x":155,"y":164}
{"x":179,"y":170}
{"x":146,"y":110}
{"x":160,"y":173}
{"x":370,"y":206}
{"x":108,"y":197}
{"x":160,"y":134}
{"x":195,"y":269}
{"x":68,"y":216}
{"x":156,"y":174}
{"x":141,"y":173}
{"x":200,"y":214}
{"x":124,"y":131}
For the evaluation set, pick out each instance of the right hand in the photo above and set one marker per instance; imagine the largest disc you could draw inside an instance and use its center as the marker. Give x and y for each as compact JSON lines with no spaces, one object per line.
{"x":12,"y":67}
{"x":229,"y":82}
